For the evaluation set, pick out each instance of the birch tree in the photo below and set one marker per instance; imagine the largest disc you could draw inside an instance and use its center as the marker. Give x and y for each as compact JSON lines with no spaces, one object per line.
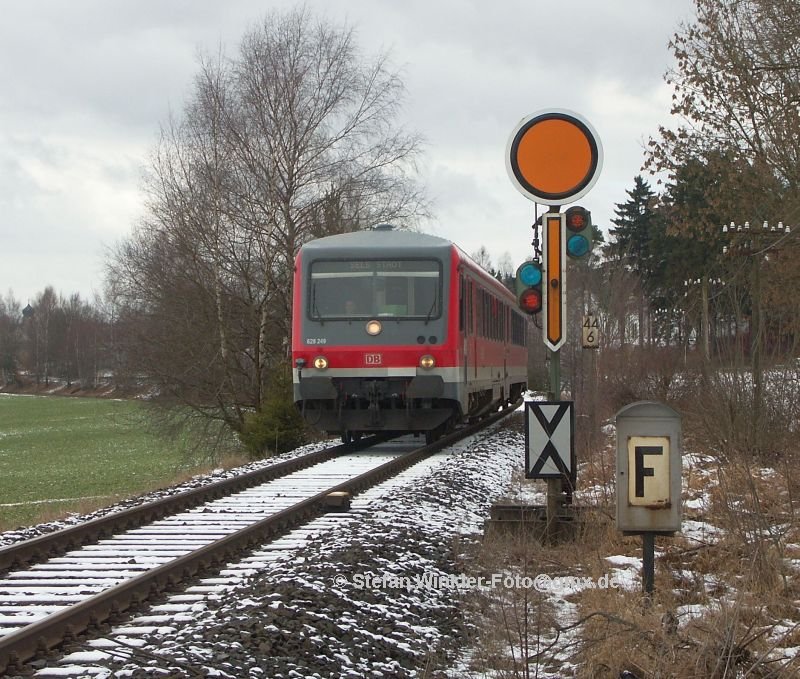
{"x":294,"y":137}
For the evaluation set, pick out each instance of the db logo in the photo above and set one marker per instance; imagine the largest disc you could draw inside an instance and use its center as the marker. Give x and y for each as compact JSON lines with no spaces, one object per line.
{"x":373,"y":359}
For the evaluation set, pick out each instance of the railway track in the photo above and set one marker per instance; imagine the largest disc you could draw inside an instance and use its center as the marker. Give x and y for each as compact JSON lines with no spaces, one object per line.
{"x":60,"y":597}
{"x":52,"y":544}
{"x":129,"y":642}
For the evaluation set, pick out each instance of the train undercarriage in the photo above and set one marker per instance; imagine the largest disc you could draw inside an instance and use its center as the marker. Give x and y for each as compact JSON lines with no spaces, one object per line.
{"x":421,"y":405}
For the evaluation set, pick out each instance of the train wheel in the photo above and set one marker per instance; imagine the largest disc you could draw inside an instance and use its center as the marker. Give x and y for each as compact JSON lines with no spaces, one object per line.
{"x":347,"y":436}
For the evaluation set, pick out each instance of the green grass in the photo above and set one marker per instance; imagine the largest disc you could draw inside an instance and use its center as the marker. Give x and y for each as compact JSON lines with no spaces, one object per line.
{"x":60,"y":455}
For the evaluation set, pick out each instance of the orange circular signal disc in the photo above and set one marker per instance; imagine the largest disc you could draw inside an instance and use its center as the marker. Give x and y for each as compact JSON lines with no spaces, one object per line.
{"x":554,"y":156}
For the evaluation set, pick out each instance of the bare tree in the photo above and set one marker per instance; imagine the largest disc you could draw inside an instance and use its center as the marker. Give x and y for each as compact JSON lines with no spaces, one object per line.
{"x":46,"y":306}
{"x":482,"y":258}
{"x":736,"y":88}
{"x":10,"y":338}
{"x":505,"y":266}
{"x":294,"y":138}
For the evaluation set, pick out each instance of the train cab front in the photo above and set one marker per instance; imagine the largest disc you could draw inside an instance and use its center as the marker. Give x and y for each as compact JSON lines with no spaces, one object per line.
{"x":410,"y":396}
{"x":369,"y":345}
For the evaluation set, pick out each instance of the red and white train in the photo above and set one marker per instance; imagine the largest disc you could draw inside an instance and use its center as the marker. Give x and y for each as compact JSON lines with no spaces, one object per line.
{"x":395,"y":331}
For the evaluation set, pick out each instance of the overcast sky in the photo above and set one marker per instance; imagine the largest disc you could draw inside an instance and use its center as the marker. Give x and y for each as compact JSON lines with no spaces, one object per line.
{"x":85,"y":84}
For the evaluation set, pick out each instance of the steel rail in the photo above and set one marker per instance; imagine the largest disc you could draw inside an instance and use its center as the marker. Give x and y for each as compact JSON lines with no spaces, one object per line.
{"x":58,"y":542}
{"x":44,"y":635}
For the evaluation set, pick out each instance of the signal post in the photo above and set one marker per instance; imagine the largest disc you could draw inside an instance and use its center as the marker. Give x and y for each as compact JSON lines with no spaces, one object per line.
{"x":553,"y":158}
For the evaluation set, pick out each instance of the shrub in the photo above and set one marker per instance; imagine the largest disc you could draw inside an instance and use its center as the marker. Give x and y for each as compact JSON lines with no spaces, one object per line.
{"x":276,"y":426}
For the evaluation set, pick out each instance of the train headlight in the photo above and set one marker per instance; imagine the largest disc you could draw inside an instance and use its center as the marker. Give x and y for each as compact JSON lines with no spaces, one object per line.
{"x":374,"y":328}
{"x":427,"y":362}
{"x":320,"y":363}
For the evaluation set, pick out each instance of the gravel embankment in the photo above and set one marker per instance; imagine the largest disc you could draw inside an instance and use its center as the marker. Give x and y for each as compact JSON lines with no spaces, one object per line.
{"x":308,"y":616}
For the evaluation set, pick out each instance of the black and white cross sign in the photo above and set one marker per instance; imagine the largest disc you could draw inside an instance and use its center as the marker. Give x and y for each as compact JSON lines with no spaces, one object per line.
{"x":549,"y":439}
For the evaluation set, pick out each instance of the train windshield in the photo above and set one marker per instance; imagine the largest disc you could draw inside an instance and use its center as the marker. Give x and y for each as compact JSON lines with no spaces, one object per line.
{"x":369,"y":288}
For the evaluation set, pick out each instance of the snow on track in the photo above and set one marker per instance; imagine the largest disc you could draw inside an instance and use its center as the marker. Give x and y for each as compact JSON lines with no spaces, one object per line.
{"x":293,"y":608}
{"x":66,"y":580}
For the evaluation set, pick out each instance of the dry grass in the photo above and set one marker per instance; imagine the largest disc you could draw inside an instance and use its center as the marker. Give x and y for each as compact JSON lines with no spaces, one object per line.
{"x":731,"y":639}
{"x":713,"y":613}
{"x":723,"y":607}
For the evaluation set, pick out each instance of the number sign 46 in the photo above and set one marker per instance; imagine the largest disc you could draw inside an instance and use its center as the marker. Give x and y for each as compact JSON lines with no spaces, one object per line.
{"x":591,"y":332}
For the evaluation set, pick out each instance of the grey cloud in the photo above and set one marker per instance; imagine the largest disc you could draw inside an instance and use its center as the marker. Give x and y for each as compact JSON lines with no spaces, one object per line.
{"x":103,"y":75}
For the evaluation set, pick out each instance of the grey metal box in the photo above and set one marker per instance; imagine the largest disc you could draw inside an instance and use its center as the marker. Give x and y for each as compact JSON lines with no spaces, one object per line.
{"x":649,"y":449}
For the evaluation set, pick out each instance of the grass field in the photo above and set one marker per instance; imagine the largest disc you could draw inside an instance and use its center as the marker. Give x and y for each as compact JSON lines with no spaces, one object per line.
{"x":60,"y":455}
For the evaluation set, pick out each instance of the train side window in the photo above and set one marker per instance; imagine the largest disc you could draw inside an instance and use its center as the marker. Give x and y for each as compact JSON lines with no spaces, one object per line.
{"x":461,"y":303}
{"x":518,"y":329}
{"x":486,"y":319}
{"x":514,"y":329}
{"x":487,"y":300}
{"x":482,"y":310}
{"x":479,"y":312}
{"x":500,"y":319}
{"x":470,"y":310}
{"x":466,"y":306}
{"x":490,"y":308}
